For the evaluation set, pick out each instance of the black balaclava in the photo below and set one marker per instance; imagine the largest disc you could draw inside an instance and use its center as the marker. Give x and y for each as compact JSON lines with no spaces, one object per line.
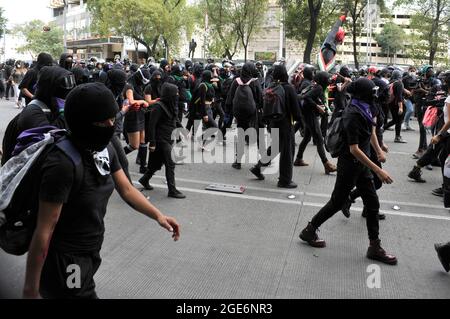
{"x":163,"y":64}
{"x":345,"y":72}
{"x":198,"y":70}
{"x":249,"y":72}
{"x":66,"y":61}
{"x":169,"y":97}
{"x":207,"y":76}
{"x":88,"y":104}
{"x":44,"y":59}
{"x":188,"y":65}
{"x":322,"y":78}
{"x":142,"y":76}
{"x":81,"y":75}
{"x":280,"y":74}
{"x":177,"y":70}
{"x":116,"y":81}
{"x":362,"y":89}
{"x":308,"y":73}
{"x":155,"y":84}
{"x":396,"y":75}
{"x":54,"y":83}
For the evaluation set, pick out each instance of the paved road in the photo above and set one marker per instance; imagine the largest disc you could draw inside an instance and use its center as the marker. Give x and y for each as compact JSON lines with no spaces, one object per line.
{"x":247,"y":246}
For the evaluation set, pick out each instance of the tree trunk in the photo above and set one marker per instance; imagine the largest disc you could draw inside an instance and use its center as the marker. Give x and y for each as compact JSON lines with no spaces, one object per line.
{"x":166,"y":47}
{"x":355,"y":53}
{"x":314,"y":14}
{"x":246,"y":52}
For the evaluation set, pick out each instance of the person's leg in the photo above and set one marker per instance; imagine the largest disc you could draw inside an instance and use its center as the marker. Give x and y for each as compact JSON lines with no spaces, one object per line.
{"x":423,"y":132}
{"x":286,"y":158}
{"x":142,"y":153}
{"x":155,"y":162}
{"x":170,"y":170}
{"x":134,"y":141}
{"x":409,"y":112}
{"x":398,"y":125}
{"x":303,"y":144}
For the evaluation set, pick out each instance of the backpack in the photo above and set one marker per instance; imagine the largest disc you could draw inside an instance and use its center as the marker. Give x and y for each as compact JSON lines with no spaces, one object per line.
{"x":12,"y":132}
{"x":391,"y":93}
{"x":274,"y":102}
{"x":301,"y":96}
{"x":244,"y":105}
{"x":334,"y":141}
{"x":430,"y":117}
{"x":19,"y":184}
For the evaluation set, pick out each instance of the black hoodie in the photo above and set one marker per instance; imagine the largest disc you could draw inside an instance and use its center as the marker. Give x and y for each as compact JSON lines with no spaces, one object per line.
{"x":63,"y":61}
{"x":317,"y":95}
{"x":163,"y":117}
{"x":31,"y":77}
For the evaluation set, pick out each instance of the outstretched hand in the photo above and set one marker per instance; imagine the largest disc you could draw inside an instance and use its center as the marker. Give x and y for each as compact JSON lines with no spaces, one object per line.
{"x":171,"y":225}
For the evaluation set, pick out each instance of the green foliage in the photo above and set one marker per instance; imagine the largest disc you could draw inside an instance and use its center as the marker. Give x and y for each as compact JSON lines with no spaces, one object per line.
{"x":37,"y":40}
{"x":145,"y":21}
{"x":2,"y":23}
{"x":391,"y":38}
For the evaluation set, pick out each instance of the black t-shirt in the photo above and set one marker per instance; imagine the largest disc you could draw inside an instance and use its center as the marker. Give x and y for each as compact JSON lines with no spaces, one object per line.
{"x":80,"y":227}
{"x":29,"y":82}
{"x":357,"y":130}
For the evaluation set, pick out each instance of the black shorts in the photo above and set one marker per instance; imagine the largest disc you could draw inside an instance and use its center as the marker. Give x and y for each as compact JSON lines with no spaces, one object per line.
{"x":58,"y":275}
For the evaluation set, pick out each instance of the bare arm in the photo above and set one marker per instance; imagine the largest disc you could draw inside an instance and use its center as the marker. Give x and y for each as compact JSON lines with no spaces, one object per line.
{"x":47,"y":219}
{"x":27,"y":93}
{"x":376,"y":145}
{"x":361,"y":157}
{"x":130,"y":97}
{"x":138,"y":202}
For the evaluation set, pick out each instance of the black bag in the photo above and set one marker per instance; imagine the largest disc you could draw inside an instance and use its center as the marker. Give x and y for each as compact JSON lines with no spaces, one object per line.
{"x":274,"y":102}
{"x":244,"y":105}
{"x":21,"y":214}
{"x":301,"y":96}
{"x":334,"y":141}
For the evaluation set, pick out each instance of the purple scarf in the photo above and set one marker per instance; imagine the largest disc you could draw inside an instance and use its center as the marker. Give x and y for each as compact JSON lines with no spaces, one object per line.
{"x":365,"y":110}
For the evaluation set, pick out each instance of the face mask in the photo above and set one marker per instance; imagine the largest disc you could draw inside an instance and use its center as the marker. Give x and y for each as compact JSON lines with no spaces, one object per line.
{"x":99,"y":137}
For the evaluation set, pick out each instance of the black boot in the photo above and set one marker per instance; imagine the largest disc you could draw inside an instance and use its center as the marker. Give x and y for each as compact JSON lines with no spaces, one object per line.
{"x":145,"y":180}
{"x":375,"y":252}
{"x":309,"y":235}
{"x":443,"y":251}
{"x":256,"y":170}
{"x":380,"y":216}
{"x":346,"y":208}
{"x":141,"y":159}
{"x":416,"y":175}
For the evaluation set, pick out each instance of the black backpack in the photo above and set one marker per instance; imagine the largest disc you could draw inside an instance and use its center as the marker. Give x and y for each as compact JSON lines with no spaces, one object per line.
{"x":21,"y":214}
{"x":274,"y":102}
{"x":244,"y":105}
{"x":335,"y":140}
{"x":12,"y":132}
{"x":301,"y":96}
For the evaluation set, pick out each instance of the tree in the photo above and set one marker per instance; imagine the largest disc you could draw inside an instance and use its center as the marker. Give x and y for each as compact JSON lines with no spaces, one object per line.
{"x":391,"y":39}
{"x":431,"y":22}
{"x":37,"y":40}
{"x":317,"y":15}
{"x":144,"y":21}
{"x":223,"y":36}
{"x":2,"y":23}
{"x":248,"y":19}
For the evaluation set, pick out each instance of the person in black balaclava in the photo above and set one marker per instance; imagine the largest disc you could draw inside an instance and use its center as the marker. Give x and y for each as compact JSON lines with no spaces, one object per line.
{"x":165,"y":69}
{"x":28,"y":84}
{"x":162,"y":124}
{"x":177,"y":79}
{"x":71,"y":224}
{"x":396,"y":106}
{"x":66,"y":61}
{"x":52,"y":88}
{"x":308,"y":76}
{"x":354,"y":170}
{"x":194,"y":85}
{"x":134,"y":124}
{"x":249,"y":74}
{"x":313,"y":107}
{"x":116,"y":83}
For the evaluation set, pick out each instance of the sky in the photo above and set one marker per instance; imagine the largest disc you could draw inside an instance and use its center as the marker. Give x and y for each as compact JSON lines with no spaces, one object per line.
{"x":16,"y":13}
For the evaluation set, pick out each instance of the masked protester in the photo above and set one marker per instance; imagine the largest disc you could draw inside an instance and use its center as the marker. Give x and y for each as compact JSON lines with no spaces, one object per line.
{"x":134,"y":125}
{"x":313,"y":107}
{"x":70,"y":226}
{"x":66,"y":61}
{"x":28,"y":84}
{"x":116,"y":83}
{"x":81,"y":75}
{"x":396,"y":105}
{"x":354,"y":166}
{"x":162,"y":124}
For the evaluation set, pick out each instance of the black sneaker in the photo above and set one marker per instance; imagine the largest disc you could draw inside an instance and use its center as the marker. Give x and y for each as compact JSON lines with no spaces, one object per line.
{"x":400,"y":140}
{"x":290,"y":185}
{"x":236,"y":165}
{"x":257,"y":172}
{"x":416,"y":175}
{"x":380,"y":216}
{"x":177,"y":195}
{"x":144,"y":181}
{"x":309,"y":235}
{"x":439,"y":192}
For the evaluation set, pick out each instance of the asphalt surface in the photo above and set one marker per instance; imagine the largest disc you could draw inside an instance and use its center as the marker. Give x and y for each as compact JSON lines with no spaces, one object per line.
{"x":246,"y":246}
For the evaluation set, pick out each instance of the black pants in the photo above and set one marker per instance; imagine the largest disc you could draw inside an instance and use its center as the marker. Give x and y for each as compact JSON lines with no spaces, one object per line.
{"x":218,"y":111}
{"x":351,"y":173}
{"x":324,"y":119}
{"x":423,"y":132}
{"x":9,"y":88}
{"x":397,"y":120}
{"x":2,"y":89}
{"x":123,"y":160}
{"x":313,"y":130}
{"x":56,"y":272}
{"x":163,"y":156}
{"x":244,"y":125}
